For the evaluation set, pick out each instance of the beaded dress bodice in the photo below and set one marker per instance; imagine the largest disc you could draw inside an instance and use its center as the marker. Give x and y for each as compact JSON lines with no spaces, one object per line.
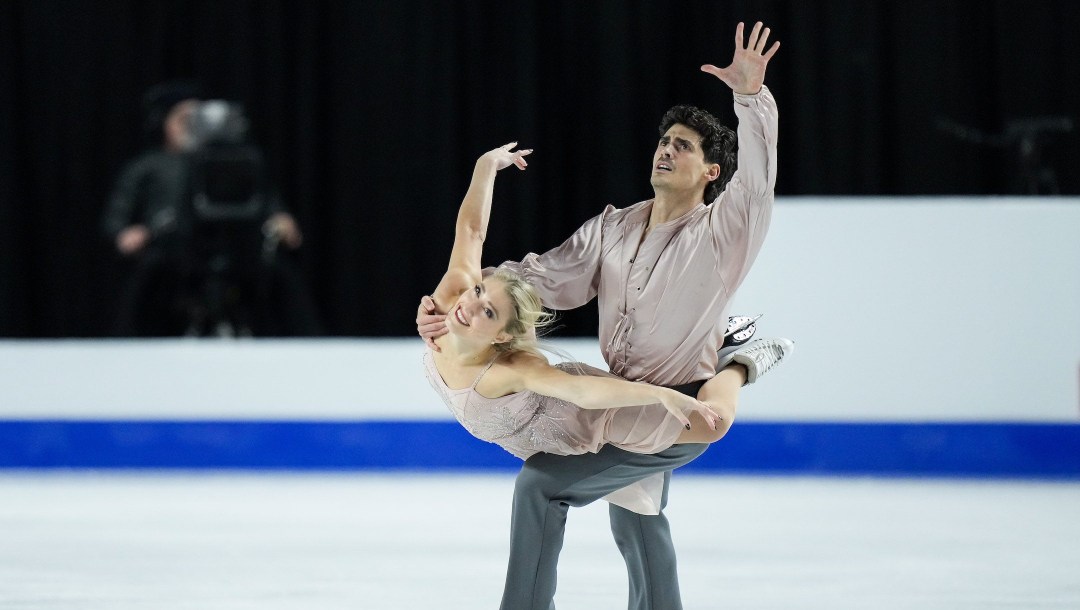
{"x":523,"y":423}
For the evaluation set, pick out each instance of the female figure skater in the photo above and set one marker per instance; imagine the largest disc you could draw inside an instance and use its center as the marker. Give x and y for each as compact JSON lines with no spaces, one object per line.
{"x":503,"y":390}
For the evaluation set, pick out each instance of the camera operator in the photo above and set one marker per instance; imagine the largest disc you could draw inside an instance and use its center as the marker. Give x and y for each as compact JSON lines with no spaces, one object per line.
{"x":203,"y":255}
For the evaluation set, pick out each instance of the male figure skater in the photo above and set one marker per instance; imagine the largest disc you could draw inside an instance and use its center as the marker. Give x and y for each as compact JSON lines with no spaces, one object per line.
{"x":664,"y":271}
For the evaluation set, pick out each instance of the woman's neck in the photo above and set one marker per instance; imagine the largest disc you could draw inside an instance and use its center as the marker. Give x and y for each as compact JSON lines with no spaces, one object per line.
{"x":464,"y":355}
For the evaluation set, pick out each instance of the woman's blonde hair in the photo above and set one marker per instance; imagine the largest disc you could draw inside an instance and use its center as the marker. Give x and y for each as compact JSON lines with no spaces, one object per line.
{"x":529,"y":314}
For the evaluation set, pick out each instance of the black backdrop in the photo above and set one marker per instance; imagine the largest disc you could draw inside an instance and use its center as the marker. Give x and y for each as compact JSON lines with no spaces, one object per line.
{"x":372,"y":113}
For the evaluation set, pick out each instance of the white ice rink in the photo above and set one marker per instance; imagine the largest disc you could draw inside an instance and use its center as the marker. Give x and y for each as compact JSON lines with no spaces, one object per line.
{"x":116,"y":541}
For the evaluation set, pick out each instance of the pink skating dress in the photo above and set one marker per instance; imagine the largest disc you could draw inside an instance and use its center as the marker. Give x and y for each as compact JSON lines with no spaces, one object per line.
{"x":526,"y":423}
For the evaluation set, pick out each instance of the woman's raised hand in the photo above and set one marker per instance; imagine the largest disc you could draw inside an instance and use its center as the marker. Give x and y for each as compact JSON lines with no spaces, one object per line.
{"x":503,"y":157}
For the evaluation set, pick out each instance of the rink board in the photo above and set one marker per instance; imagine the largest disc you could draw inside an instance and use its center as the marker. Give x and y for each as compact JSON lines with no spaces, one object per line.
{"x":796,"y":448}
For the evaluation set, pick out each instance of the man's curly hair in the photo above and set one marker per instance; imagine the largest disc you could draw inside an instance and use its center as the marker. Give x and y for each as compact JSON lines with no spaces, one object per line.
{"x":718,"y":143}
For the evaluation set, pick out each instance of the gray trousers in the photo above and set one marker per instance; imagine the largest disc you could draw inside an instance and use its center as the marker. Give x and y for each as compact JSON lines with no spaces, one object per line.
{"x":548,"y":485}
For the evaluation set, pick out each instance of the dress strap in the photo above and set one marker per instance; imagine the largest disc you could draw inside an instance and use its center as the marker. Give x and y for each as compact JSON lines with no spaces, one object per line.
{"x":490,"y":362}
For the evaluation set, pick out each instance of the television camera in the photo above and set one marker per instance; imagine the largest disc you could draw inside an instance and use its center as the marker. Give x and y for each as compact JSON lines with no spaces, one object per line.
{"x":230,"y":200}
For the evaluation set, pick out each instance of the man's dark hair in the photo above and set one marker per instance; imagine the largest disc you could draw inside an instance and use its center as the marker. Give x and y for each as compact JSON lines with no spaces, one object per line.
{"x":160,"y":99}
{"x":718,"y":143}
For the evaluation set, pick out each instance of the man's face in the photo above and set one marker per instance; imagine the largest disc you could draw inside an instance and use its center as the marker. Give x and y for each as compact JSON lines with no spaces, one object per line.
{"x":679,"y":163}
{"x":178,"y":126}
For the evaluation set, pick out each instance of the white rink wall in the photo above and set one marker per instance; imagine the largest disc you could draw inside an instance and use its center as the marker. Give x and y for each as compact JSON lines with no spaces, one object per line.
{"x":921,"y":309}
{"x":902,"y":310}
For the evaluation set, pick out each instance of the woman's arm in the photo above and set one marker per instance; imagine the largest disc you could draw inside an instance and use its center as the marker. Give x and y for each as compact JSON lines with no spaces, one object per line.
{"x":472,"y":223}
{"x":721,"y":394}
{"x":594,"y":392}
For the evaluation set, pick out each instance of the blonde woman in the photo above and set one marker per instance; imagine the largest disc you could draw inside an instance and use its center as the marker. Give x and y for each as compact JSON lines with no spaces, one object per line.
{"x":503,"y":390}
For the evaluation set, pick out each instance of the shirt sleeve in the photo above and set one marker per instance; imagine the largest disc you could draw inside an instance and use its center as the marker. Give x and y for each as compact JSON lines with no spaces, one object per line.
{"x":740,"y":216}
{"x":567,"y":276}
{"x":126,"y":200}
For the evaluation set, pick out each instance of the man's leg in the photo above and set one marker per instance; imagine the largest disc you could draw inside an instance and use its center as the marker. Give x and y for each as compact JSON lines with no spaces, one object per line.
{"x":287,"y":302}
{"x":645,"y":544}
{"x":145,"y":305}
{"x":549,"y":485}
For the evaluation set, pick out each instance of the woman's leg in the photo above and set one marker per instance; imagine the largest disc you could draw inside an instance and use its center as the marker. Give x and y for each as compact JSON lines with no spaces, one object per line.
{"x":744,"y":365}
{"x":721,"y":393}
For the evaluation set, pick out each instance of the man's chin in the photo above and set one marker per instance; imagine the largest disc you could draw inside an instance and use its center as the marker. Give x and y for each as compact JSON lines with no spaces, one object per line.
{"x":661,"y":182}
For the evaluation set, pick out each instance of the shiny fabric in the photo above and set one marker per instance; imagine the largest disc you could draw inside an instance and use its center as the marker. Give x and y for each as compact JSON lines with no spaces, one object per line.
{"x":664,"y":299}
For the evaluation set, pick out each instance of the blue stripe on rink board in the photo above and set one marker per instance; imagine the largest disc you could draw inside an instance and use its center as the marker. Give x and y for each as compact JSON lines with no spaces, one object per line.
{"x":803,"y":448}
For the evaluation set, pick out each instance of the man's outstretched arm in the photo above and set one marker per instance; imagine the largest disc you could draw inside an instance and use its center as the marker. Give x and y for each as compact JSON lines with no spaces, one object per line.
{"x":755,"y":109}
{"x":741,"y":215}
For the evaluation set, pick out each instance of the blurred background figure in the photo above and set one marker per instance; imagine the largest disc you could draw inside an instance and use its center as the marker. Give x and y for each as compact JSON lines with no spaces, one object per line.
{"x":1025,"y":139}
{"x":208,"y":244}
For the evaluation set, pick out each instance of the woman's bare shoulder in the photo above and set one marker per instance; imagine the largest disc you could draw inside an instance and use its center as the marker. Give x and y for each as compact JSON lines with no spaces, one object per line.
{"x":524,"y":359}
{"x":510,"y":372}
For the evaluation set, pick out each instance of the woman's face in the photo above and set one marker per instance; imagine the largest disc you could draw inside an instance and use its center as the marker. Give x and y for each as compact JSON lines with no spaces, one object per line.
{"x":481,"y":313}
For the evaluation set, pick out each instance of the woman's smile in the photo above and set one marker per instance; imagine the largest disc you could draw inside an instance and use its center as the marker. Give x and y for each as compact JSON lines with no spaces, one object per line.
{"x":460,"y":316}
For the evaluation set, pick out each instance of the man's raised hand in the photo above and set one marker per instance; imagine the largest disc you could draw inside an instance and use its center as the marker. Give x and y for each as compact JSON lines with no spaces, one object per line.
{"x":429,"y":325}
{"x":746,"y":73}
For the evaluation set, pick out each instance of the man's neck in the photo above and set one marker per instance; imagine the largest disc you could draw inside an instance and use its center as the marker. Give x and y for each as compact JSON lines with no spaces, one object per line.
{"x":669,"y":206}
